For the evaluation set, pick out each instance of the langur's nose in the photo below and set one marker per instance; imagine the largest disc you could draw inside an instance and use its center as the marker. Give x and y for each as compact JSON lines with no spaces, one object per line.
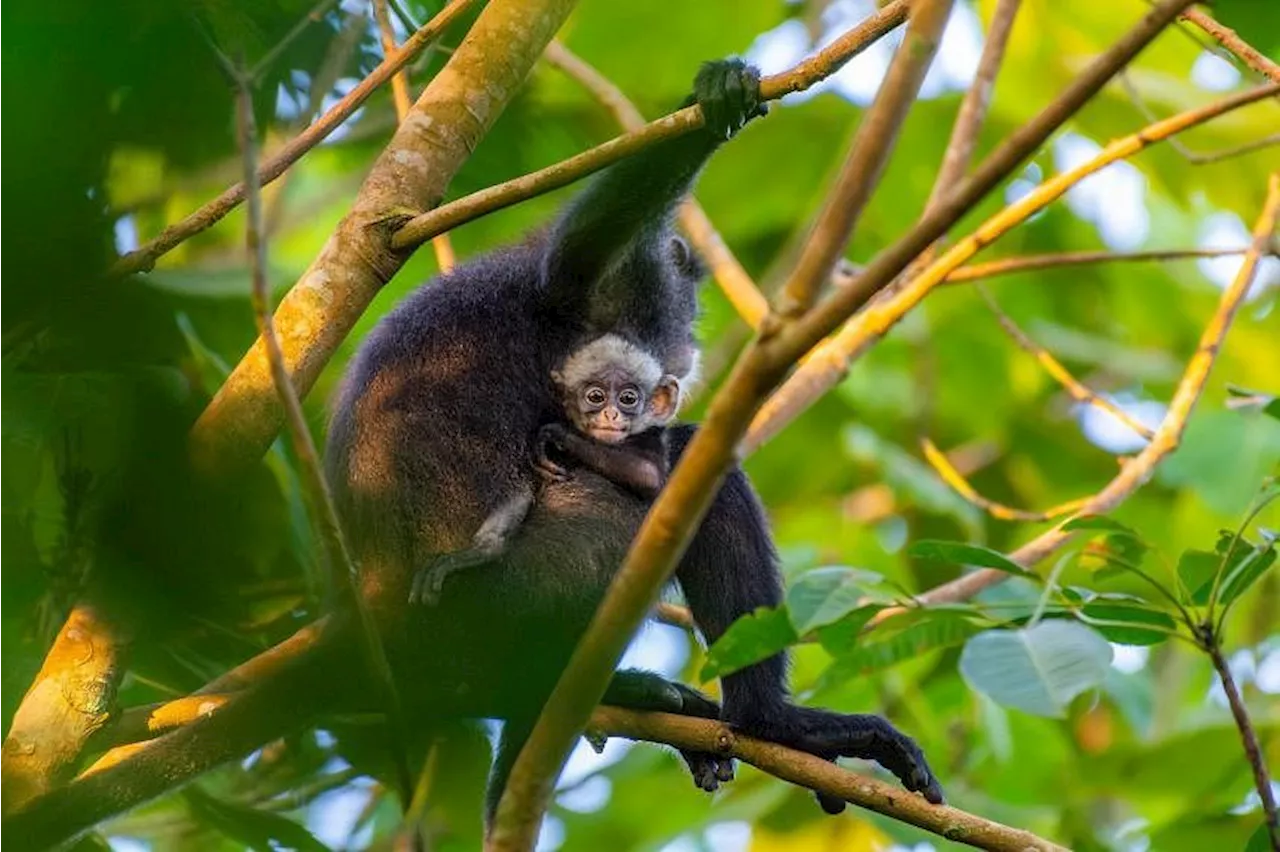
{"x":612,"y":414}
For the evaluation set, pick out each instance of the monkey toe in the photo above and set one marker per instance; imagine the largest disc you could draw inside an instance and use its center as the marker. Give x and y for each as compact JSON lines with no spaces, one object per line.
{"x":706,"y":769}
{"x":829,"y":804}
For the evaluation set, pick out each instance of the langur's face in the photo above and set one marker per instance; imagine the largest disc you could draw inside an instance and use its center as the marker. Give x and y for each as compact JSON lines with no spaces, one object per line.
{"x":608,"y":407}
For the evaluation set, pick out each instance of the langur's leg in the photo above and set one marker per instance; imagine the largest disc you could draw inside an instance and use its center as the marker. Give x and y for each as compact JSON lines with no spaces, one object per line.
{"x":488,"y":543}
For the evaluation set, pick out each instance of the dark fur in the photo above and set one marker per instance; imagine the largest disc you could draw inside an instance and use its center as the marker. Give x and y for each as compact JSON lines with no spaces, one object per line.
{"x":434,"y":428}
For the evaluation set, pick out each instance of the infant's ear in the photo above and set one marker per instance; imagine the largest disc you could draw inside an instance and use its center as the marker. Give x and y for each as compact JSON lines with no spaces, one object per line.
{"x":664,"y":400}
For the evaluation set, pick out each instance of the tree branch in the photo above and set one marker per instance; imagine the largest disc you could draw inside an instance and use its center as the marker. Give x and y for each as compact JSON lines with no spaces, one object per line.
{"x":143,"y":258}
{"x":1195,"y":158}
{"x":68,"y":701}
{"x":867,"y":158}
{"x":1078,"y":390}
{"x":1035,"y":262}
{"x":733,"y":280}
{"x":829,"y":362}
{"x":1249,"y":738}
{"x":440,"y":244}
{"x":806,"y":770}
{"x":1228,"y":38}
{"x":973,"y":109}
{"x":320,"y":499}
{"x":952,"y":477}
{"x":1138,"y":470}
{"x":450,"y":117}
{"x":812,"y":70}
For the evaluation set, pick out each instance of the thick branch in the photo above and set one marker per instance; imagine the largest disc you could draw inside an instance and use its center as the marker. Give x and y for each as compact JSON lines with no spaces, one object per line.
{"x":828,"y":363}
{"x":446,"y":123}
{"x":440,"y":244}
{"x":733,"y":280}
{"x":685,"y":732}
{"x":143,"y":259}
{"x":69,"y":700}
{"x":812,"y":70}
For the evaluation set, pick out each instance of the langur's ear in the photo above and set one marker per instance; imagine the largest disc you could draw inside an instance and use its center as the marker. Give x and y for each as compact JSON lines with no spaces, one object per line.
{"x":665,"y":400}
{"x":688,"y":262}
{"x":557,"y":378}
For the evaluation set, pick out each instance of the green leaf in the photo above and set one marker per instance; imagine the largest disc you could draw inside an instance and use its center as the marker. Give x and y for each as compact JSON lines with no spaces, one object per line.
{"x":825,"y":595}
{"x":959,"y":553}
{"x":1038,"y":669}
{"x":841,"y":636}
{"x":1243,"y":573}
{"x":1196,"y":569}
{"x":1260,"y":840}
{"x":262,"y":831}
{"x":1103,"y":609}
{"x":927,"y":631}
{"x":748,"y":640}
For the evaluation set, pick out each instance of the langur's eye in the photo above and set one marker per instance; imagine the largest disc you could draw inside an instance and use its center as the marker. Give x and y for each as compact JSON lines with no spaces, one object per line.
{"x":594,"y":396}
{"x":629,"y":398}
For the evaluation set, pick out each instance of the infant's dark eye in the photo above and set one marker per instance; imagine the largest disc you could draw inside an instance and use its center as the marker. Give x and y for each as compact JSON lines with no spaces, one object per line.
{"x":595,"y":396}
{"x":628,"y":398}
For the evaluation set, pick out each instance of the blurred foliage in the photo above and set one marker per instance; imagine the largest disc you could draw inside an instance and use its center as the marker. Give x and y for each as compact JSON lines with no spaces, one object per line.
{"x":118,"y":121}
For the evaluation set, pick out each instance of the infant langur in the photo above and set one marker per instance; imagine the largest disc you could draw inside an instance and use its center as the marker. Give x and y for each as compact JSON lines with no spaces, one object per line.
{"x":617,"y":402}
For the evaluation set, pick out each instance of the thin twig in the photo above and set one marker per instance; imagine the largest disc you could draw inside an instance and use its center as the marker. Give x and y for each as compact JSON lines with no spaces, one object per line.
{"x":1078,"y":390}
{"x":1248,"y":737}
{"x":1034,"y":262}
{"x":733,"y":279}
{"x":317,"y":13}
{"x":973,"y":109}
{"x":320,"y":497}
{"x":806,"y":770}
{"x":952,"y":477}
{"x":143,"y":259}
{"x":1195,"y":158}
{"x":1140,"y":468}
{"x":867,"y":158}
{"x":446,"y":259}
{"x":829,"y":362}
{"x":1230,"y":39}
{"x":812,"y":70}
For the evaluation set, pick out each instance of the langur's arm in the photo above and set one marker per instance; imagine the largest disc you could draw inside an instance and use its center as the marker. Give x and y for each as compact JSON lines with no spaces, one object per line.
{"x":630,"y":465}
{"x":639,"y":192}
